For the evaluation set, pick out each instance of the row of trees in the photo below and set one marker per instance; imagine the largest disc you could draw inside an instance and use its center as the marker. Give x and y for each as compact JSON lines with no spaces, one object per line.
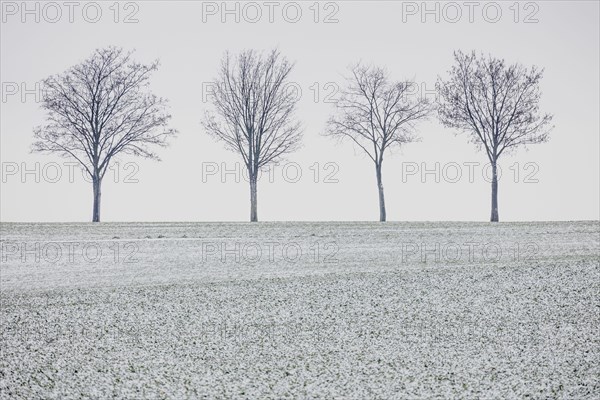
{"x":102,"y":108}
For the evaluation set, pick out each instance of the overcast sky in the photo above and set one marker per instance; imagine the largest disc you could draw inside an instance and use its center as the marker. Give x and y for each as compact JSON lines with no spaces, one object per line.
{"x":558,"y":180}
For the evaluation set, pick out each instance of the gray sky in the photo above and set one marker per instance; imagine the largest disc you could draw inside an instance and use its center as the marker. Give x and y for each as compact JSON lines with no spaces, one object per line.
{"x":558,"y":180}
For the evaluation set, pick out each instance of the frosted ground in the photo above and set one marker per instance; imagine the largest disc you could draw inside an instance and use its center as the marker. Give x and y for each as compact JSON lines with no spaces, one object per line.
{"x":300,"y":310}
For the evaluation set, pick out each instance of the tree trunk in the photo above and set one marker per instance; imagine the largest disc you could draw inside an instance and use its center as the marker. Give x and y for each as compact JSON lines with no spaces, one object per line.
{"x":253,"y":199}
{"x":381,"y":197}
{"x":494,"y":216}
{"x":97,"y":183}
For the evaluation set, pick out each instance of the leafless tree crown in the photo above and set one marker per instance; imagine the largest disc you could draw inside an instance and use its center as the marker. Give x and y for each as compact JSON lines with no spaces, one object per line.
{"x":100,"y":108}
{"x":376,"y":113}
{"x":255,"y":108}
{"x":497,"y":104}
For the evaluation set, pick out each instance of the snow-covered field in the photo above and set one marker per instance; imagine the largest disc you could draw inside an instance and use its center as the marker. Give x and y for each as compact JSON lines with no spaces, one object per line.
{"x":300,"y":310}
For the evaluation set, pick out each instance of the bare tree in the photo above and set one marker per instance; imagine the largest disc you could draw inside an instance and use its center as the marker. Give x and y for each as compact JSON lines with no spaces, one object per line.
{"x":254,"y":110}
{"x":497,"y":104}
{"x":99,"y":109}
{"x":377,"y":114}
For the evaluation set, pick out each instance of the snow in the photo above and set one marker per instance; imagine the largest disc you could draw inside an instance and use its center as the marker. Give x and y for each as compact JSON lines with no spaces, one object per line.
{"x":358,"y":314}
